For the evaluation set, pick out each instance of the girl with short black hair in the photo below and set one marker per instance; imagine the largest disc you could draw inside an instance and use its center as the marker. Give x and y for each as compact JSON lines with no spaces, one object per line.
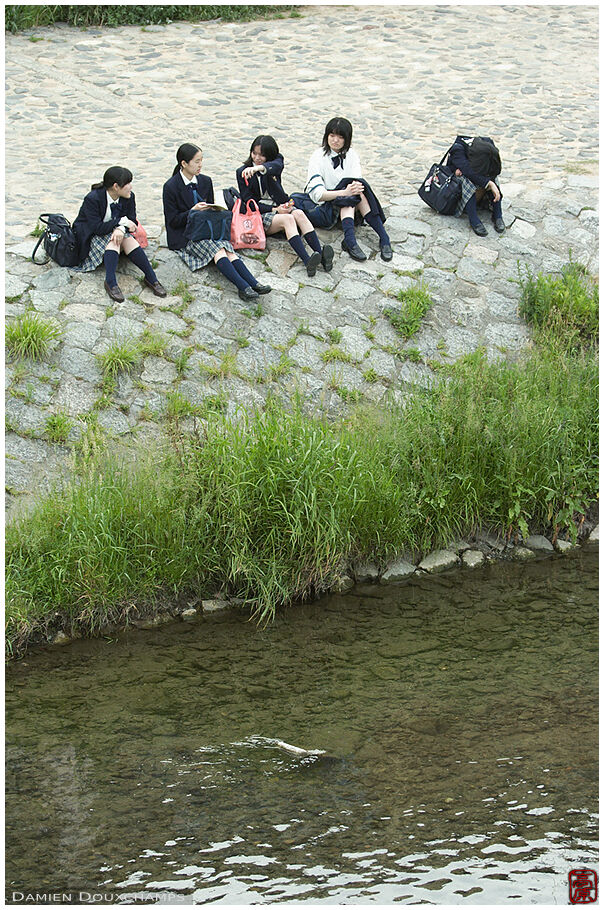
{"x":188,"y":189}
{"x":259,"y":178}
{"x":104,"y":228}
{"x":335,"y":182}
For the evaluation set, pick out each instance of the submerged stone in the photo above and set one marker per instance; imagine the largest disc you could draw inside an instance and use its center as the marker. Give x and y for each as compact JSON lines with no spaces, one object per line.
{"x":214,"y":606}
{"x":522,"y":553}
{"x":594,"y":537}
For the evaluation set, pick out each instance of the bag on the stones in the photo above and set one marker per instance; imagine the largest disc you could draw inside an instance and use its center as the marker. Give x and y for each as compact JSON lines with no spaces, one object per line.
{"x":59,"y":240}
{"x":441,"y":189}
{"x":208,"y":224}
{"x":247,"y":230}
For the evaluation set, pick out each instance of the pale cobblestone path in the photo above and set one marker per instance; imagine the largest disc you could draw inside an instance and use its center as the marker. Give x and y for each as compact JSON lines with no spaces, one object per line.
{"x":79,"y":101}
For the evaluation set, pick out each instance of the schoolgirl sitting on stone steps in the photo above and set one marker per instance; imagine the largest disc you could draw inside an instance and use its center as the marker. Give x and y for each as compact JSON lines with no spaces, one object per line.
{"x":335,"y":179}
{"x":476,"y":160}
{"x":103,"y":229}
{"x":189,"y":189}
{"x":259,"y":178}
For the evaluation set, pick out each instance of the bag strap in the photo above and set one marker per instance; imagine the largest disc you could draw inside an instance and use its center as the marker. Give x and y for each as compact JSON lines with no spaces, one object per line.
{"x":33,"y":255}
{"x":251,"y":205}
{"x":447,"y":153}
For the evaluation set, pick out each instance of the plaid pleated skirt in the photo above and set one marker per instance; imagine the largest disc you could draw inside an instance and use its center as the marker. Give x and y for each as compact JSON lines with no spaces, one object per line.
{"x":98,"y":245}
{"x":198,"y":253}
{"x":467,"y":191}
{"x":267,"y":219}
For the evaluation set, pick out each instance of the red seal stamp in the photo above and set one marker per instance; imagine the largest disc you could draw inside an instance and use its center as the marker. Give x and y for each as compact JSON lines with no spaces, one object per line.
{"x":582,"y":886}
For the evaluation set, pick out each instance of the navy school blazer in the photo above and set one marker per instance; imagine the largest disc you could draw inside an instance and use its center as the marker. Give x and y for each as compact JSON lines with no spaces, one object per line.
{"x":89,"y":220}
{"x":271,"y":180}
{"x":177,"y":204}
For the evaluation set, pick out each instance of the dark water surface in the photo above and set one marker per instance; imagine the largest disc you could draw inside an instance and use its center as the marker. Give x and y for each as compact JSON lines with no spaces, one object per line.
{"x":458,"y":715}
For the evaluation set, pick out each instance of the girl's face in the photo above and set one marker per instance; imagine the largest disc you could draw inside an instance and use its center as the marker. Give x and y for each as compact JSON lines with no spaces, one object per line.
{"x":257,"y":156}
{"x":123,"y":192}
{"x":193,"y":167}
{"x":335,"y":142}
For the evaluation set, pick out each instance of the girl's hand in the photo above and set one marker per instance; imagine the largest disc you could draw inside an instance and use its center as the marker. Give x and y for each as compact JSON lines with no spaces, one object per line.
{"x":131,"y":225}
{"x":117,"y":235}
{"x":353,"y":189}
{"x":457,"y":172}
{"x":200,"y":206}
{"x":285,"y":208}
{"x":492,"y":186}
{"x":250,"y":171}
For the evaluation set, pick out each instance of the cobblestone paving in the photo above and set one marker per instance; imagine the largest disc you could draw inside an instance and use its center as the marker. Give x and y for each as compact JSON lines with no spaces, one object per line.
{"x":409,"y":79}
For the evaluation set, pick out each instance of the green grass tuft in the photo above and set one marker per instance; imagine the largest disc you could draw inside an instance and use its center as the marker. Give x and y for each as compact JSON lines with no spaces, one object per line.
{"x":31,"y":336}
{"x":58,"y":426}
{"x":415,"y":303}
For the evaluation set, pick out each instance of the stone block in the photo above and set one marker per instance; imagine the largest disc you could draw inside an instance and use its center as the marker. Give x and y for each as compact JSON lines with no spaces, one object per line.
{"x":398,"y":572}
{"x":538,"y":542}
{"x":215,"y":606}
{"x":438,"y":561}
{"x":158,"y":370}
{"x":14,"y":287}
{"x":366,"y":571}
{"x":472,"y":558}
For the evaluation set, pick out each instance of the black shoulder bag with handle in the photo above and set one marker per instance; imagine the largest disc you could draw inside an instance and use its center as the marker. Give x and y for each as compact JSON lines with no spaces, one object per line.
{"x":59,"y":239}
{"x":441,"y":189}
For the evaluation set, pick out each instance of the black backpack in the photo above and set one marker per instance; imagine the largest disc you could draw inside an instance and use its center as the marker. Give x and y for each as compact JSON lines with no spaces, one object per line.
{"x":59,"y":239}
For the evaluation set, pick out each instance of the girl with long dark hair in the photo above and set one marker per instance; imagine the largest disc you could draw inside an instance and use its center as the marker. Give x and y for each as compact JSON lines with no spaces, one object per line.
{"x":259,"y":178}
{"x":189,"y":189}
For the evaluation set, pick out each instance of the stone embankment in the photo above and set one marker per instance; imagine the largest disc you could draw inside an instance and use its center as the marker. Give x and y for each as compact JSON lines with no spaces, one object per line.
{"x":326,"y":337}
{"x":460,"y":554}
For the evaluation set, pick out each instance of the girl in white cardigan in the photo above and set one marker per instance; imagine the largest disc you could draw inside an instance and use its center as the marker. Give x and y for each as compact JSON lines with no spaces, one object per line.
{"x":335,"y":180}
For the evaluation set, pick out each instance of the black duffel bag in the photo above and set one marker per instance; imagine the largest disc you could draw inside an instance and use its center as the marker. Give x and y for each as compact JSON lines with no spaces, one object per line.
{"x":441,"y":189}
{"x":59,"y":239}
{"x":208,"y":224}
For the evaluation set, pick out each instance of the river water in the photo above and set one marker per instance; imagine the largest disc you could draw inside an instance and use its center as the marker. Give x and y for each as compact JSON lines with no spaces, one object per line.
{"x":458,"y":716}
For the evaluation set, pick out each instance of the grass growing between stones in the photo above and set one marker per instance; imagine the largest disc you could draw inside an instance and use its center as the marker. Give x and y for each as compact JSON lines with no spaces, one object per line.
{"x":272,"y":506}
{"x":407,"y":319}
{"x":31,"y":336}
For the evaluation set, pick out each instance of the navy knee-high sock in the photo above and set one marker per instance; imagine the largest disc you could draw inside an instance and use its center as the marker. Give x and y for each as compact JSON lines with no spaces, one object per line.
{"x":231,"y":274}
{"x":472,"y":211}
{"x":348,"y":228}
{"x":375,"y":222}
{"x":110,"y":259}
{"x":313,"y":241}
{"x":298,"y":247}
{"x":497,"y":213}
{"x":240,"y":267}
{"x":139,"y":258}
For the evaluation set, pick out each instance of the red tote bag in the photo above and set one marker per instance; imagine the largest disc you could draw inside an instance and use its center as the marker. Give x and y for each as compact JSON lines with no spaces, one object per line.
{"x":247,"y":230}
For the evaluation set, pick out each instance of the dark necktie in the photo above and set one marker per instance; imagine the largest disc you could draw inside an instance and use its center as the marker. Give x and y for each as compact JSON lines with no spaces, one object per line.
{"x":116,"y":209}
{"x":338,"y":161}
{"x":195,"y":193}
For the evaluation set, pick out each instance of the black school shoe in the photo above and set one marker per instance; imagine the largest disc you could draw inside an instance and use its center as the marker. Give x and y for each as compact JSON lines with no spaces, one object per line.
{"x":262,"y":288}
{"x":313,"y":264}
{"x":386,"y":252}
{"x":498,"y":224}
{"x":327,"y":257}
{"x":479,"y":229}
{"x":355,"y":251}
{"x":248,"y":293}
